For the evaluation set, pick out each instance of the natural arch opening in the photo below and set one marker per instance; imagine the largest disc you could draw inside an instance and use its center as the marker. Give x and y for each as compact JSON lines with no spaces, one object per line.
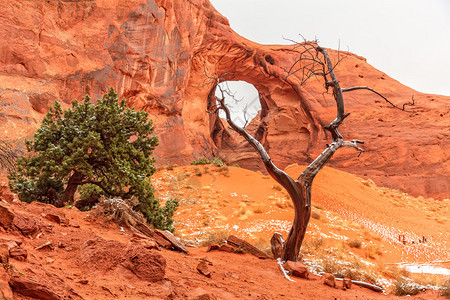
{"x":248,"y":108}
{"x":242,"y":98}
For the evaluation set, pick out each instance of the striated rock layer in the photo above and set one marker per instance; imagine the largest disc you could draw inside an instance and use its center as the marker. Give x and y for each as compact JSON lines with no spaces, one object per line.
{"x":157,"y":54}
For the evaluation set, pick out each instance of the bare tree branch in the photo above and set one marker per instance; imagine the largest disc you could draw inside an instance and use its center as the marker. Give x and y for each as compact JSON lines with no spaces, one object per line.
{"x":385,"y":99}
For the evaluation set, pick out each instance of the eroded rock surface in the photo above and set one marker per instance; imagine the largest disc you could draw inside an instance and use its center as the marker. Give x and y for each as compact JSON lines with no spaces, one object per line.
{"x":156,"y":53}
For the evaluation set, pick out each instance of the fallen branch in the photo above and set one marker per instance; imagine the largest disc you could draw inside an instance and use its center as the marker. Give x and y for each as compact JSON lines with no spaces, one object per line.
{"x":46,"y":244}
{"x":370,"y":286}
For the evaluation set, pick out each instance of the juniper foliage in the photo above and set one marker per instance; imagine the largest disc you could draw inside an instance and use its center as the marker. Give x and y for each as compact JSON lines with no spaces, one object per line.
{"x":107,"y":145}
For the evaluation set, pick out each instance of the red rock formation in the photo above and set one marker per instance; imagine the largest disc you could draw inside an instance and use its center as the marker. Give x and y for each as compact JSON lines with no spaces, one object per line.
{"x":156,"y":54}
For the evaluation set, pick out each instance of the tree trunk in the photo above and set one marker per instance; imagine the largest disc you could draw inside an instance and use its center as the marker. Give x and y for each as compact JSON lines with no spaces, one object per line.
{"x":72,"y":185}
{"x":296,"y":235}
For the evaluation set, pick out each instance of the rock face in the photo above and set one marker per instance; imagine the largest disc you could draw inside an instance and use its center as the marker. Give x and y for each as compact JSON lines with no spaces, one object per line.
{"x":33,"y":289}
{"x":6,"y":215}
{"x":156,"y":54}
{"x":146,"y":264}
{"x":5,"y":289}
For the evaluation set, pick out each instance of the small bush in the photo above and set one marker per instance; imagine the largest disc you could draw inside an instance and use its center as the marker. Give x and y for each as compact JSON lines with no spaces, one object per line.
{"x":218,"y":237}
{"x":170,"y":167}
{"x":405,"y":287}
{"x":217,"y":162}
{"x":206,"y":170}
{"x":200,"y":161}
{"x":224,"y":170}
{"x":204,"y":161}
{"x":259,"y":209}
{"x":355,"y":243}
{"x":395,"y":272}
{"x":445,"y":289}
{"x":372,"y":251}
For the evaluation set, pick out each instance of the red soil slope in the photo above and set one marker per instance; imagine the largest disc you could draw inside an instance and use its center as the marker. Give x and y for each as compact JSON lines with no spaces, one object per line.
{"x":86,"y":256}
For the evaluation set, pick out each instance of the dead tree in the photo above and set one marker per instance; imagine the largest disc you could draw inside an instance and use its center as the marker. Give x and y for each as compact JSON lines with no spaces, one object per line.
{"x":313,"y":60}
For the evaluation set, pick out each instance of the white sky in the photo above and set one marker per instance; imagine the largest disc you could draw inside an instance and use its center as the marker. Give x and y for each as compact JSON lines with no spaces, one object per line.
{"x":407,"y":39}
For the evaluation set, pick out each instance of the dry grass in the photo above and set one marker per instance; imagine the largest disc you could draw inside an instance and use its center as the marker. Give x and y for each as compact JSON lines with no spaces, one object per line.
{"x":259,"y":209}
{"x":264,"y":246}
{"x":393,"y":272}
{"x":445,"y":289}
{"x":206,"y":170}
{"x":354,"y":243}
{"x":337,"y":259}
{"x":215,"y":238}
{"x":184,"y":175}
{"x":405,"y":287}
{"x":224,"y":170}
{"x":283,"y":203}
{"x":197,"y":172}
{"x":315,"y":244}
{"x":118,"y":211}
{"x":354,"y":270}
{"x":372,"y":251}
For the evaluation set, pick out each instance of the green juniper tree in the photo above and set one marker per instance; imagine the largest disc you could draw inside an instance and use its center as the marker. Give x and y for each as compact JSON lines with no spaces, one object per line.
{"x":105,"y":147}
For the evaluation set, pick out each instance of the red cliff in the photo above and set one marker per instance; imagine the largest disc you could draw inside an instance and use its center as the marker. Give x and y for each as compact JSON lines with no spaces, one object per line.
{"x":156,"y":54}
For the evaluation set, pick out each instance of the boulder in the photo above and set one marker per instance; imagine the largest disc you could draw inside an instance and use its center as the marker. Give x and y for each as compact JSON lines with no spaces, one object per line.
{"x":329,"y":279}
{"x":6,"y":215}
{"x":55,"y":218}
{"x":296,"y":269}
{"x":346,"y":283}
{"x":144,"y":232}
{"x":5,"y":193}
{"x":18,"y":253}
{"x":172,"y":239}
{"x":4,"y":253}
{"x":201,"y":294}
{"x":10,"y":240}
{"x":101,"y":254}
{"x":146,"y":243}
{"x":146,"y":264}
{"x":106,"y":255}
{"x":5,"y":290}
{"x":28,"y":287}
{"x":212,"y":247}
{"x":26,"y":225}
{"x":203,"y":269}
{"x":227,"y":248}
